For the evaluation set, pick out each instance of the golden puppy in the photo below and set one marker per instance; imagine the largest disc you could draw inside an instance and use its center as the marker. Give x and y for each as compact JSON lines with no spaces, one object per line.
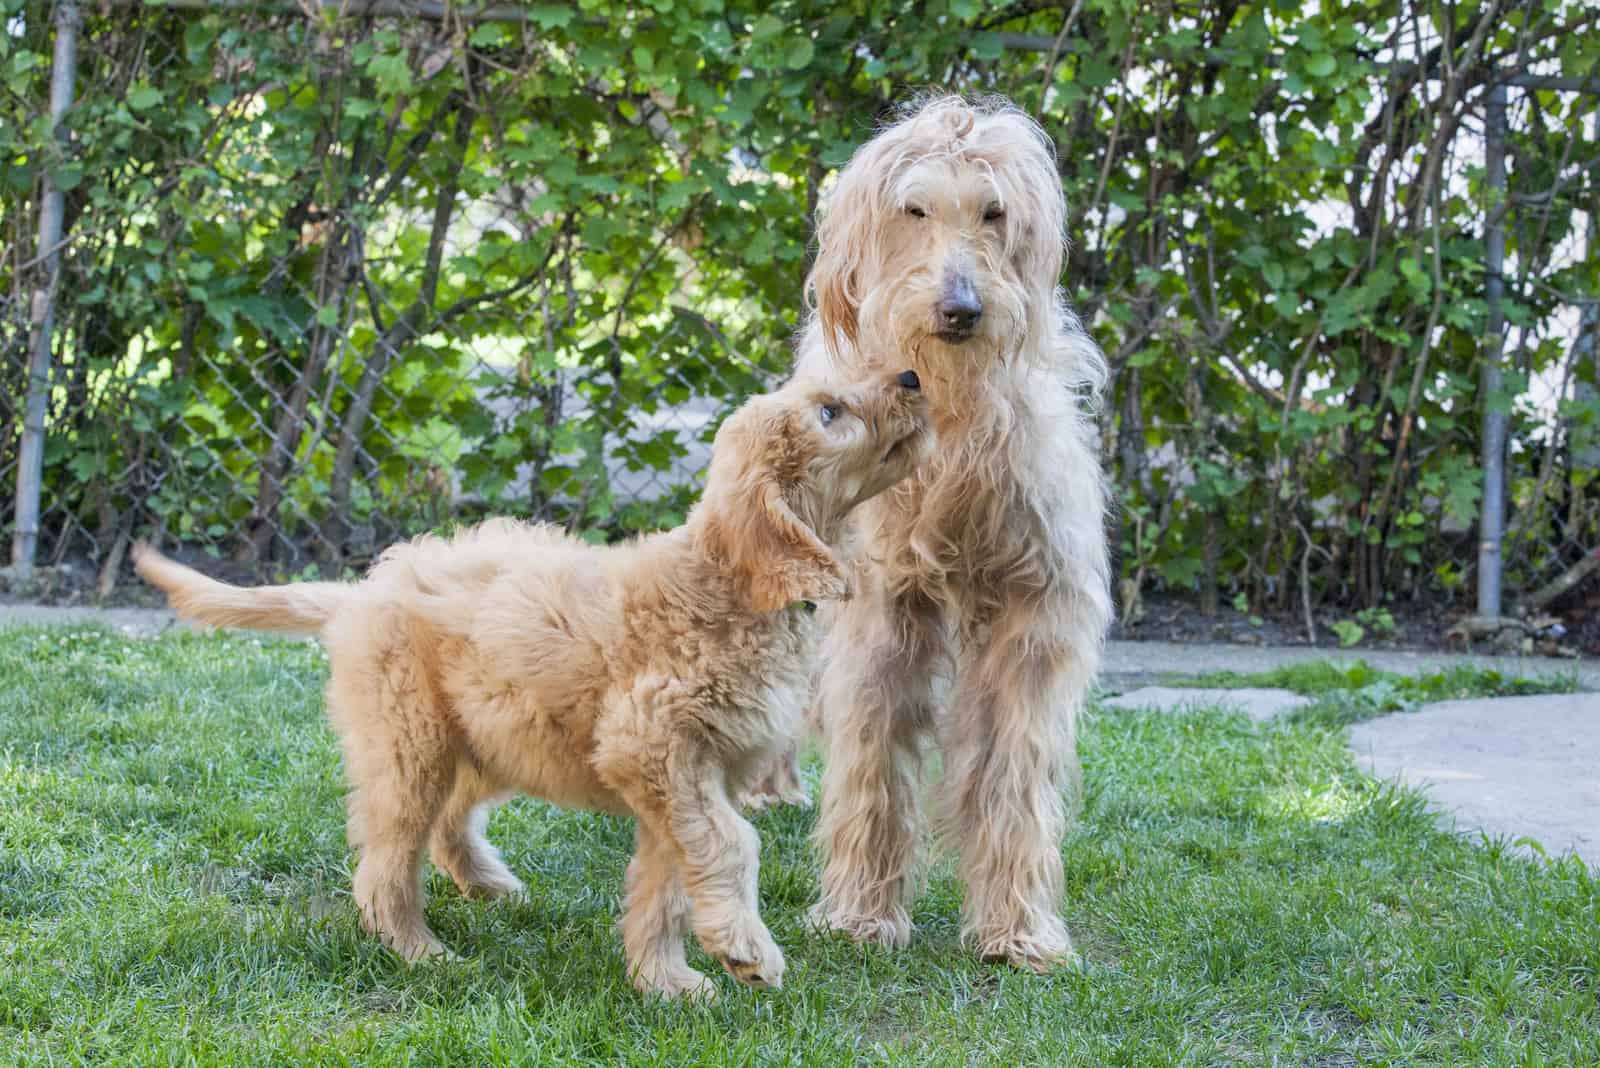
{"x":654,"y":678}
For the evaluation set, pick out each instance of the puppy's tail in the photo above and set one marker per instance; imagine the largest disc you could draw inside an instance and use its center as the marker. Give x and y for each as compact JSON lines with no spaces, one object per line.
{"x":298,"y":609}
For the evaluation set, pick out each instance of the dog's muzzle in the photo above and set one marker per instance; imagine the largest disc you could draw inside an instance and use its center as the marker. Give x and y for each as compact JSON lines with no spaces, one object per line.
{"x":959,"y":310}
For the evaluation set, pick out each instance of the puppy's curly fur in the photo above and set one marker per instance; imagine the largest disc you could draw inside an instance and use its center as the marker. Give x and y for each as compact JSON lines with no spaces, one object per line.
{"x":941,"y":245}
{"x":651,"y":678}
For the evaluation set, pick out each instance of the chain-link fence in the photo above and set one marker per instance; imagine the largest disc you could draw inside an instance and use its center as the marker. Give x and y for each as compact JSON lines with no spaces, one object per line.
{"x":331,"y":275}
{"x":413,"y":330}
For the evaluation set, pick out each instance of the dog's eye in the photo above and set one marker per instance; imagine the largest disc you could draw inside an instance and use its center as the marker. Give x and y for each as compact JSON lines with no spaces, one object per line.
{"x":916,"y":213}
{"x":993,"y":213}
{"x":828,"y":413}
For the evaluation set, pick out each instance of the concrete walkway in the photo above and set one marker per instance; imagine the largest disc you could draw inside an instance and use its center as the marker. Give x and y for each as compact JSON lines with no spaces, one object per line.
{"x":1515,"y":766}
{"x":1508,"y":766}
{"x":1131,"y":664}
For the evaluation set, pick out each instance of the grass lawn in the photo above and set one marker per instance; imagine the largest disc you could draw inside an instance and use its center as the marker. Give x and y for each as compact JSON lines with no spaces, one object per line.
{"x":174,"y":888}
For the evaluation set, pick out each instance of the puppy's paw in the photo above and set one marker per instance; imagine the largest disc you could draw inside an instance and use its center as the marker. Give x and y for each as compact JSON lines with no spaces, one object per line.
{"x":749,"y":953}
{"x":673,"y":983}
{"x":496,"y":887}
{"x":423,"y":950}
{"x":758,"y":801}
{"x":796,"y":795}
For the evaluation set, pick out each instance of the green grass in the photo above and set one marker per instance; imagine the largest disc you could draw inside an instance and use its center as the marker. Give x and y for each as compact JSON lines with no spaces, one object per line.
{"x":1349,"y":692}
{"x":174,"y":889}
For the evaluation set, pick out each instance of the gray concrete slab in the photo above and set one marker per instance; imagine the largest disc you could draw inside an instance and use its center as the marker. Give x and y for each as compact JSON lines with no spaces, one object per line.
{"x":1516,"y":766}
{"x":1258,"y":703}
{"x":1131,"y":664}
{"x":134,"y":622}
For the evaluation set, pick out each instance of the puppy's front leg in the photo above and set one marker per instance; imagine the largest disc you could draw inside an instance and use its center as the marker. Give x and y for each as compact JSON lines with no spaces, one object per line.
{"x":721,"y":859}
{"x":655,"y":919}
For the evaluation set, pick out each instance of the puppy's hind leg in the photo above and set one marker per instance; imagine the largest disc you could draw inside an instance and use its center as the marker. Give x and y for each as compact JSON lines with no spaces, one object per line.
{"x":401,"y":758}
{"x":388,"y":879}
{"x":780,"y":782}
{"x":458,"y":845}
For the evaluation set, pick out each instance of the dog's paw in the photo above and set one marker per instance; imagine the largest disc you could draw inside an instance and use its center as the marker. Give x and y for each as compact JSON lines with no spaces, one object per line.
{"x":1039,"y":953}
{"x":749,"y":953}
{"x":892,"y":931}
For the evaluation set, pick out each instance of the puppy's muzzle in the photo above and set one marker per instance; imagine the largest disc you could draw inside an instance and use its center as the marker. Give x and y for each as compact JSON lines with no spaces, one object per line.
{"x":905,"y":416}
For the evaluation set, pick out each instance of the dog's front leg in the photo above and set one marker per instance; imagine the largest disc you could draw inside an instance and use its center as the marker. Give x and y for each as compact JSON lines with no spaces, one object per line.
{"x":876,"y":711}
{"x":720,"y":862}
{"x":1010,"y":755}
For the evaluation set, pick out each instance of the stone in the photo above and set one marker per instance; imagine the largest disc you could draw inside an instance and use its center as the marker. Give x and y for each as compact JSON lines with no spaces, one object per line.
{"x":1255,"y":702}
{"x":1507,"y":766}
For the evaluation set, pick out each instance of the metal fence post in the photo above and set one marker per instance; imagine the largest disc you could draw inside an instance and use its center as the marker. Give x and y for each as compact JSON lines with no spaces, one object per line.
{"x":1586,"y":351}
{"x":30,"y":455}
{"x":1491,"y":525}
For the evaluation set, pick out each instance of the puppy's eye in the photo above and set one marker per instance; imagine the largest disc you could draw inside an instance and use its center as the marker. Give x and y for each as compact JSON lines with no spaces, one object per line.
{"x":828,"y":413}
{"x":993,"y":213}
{"x":916,"y":213}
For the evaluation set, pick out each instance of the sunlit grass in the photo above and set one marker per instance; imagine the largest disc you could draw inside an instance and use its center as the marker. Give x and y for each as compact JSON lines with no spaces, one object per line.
{"x":174,"y":888}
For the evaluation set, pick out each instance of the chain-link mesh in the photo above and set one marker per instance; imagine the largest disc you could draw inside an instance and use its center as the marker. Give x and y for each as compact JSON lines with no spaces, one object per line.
{"x":409,"y":337}
{"x":329,"y":282}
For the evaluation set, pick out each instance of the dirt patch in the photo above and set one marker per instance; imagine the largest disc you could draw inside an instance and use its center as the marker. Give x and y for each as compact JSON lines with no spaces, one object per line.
{"x":75,"y":582}
{"x":1171,"y":619}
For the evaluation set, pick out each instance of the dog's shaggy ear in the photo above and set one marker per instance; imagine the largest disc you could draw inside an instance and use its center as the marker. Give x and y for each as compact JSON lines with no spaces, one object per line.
{"x":747,"y":525}
{"x":834,"y":279}
{"x":847,"y":241}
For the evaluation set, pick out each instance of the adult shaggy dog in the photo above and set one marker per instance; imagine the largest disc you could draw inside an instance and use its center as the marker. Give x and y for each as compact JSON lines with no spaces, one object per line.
{"x":651,"y":678}
{"x":942,"y":246}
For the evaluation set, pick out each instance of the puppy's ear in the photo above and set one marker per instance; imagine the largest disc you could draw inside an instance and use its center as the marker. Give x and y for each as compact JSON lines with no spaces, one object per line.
{"x":785,"y":561}
{"x":749,"y":528}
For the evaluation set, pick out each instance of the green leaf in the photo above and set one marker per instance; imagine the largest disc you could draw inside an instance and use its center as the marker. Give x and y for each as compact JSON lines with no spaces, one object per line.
{"x":488,"y":35}
{"x":797,"y":52}
{"x":550,"y":16}
{"x":143,"y":97}
{"x":197,"y":38}
{"x":66,"y":177}
{"x":987,"y":46}
{"x":767,"y":26}
{"x":391,"y":72}
{"x":1321,"y":65}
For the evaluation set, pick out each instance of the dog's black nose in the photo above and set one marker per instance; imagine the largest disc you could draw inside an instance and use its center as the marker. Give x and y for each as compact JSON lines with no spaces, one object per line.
{"x":959,"y":307}
{"x":909,"y":380}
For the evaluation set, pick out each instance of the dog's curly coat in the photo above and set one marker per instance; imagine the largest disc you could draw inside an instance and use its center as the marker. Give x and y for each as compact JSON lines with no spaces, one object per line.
{"x":942,"y":245}
{"x":651,"y":678}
